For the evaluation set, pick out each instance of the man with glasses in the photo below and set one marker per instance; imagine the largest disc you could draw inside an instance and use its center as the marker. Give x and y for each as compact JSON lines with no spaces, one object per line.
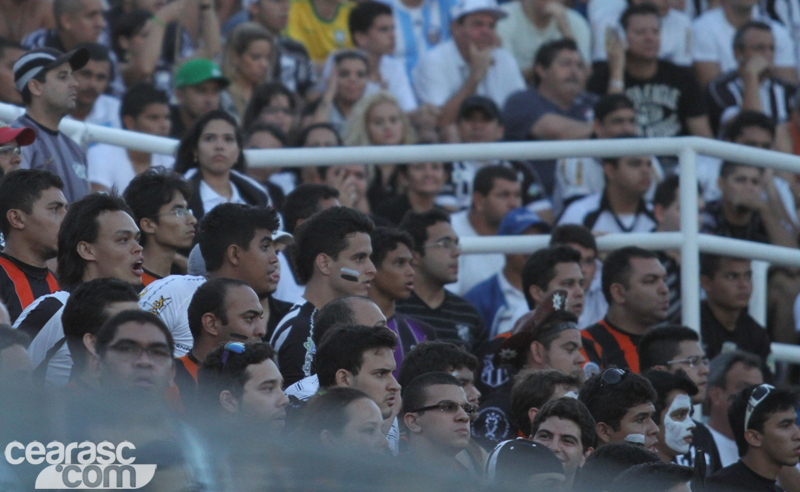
{"x":241,"y":380}
{"x":158,"y":199}
{"x":437,"y":414}
{"x":436,"y":253}
{"x":621,"y":403}
{"x":764,"y":424}
{"x":677,"y":350}
{"x":11,"y":142}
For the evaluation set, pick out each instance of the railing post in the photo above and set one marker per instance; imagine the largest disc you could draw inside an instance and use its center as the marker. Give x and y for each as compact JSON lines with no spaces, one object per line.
{"x":758,"y":301}
{"x":690,"y":260}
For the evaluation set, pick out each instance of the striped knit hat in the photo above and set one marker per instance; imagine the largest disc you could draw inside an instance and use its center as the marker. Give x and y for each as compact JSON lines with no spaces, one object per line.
{"x":33,"y":62}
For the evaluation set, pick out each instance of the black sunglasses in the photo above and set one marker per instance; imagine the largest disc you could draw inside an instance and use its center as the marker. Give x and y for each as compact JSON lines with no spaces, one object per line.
{"x":612,"y":376}
{"x":449,"y":406}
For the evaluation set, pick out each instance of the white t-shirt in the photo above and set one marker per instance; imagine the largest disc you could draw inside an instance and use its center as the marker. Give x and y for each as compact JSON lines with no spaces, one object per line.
{"x":523,"y":39}
{"x":441,"y":72}
{"x":105,"y":112}
{"x":728,"y":452}
{"x":472,"y":268}
{"x":676,"y":36}
{"x":169,"y":298}
{"x":595,"y":305}
{"x":288,"y":289}
{"x":110,"y":166}
{"x":605,"y":221}
{"x":712,"y":40}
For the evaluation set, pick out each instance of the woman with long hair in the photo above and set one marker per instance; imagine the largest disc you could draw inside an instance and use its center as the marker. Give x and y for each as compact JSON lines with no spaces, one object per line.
{"x":345,"y":87}
{"x":210,"y":157}
{"x":247,"y":59}
{"x":377,"y":119}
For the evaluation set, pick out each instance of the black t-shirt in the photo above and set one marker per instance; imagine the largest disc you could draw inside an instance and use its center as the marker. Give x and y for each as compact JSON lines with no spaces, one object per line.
{"x":292,"y":343}
{"x":739,"y":477}
{"x":702,"y":441}
{"x":748,"y":334}
{"x":714,"y":223}
{"x":663,"y":102}
{"x":494,"y":422}
{"x":455,"y":320}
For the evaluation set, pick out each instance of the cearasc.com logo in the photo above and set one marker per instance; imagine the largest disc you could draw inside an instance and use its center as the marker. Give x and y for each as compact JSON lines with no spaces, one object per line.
{"x":96,"y":466}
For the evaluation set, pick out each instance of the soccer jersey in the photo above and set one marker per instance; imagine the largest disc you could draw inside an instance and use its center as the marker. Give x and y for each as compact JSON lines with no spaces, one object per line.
{"x":48,"y":351}
{"x":293,"y":343}
{"x":607,"y":346}
{"x":455,"y":320}
{"x":169,"y":298}
{"x":21,"y":284}
{"x":418,"y":29}
{"x":319,"y":36}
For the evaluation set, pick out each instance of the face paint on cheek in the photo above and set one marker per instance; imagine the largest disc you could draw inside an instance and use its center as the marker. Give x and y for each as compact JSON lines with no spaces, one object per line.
{"x":676,"y":432}
{"x":637,"y":439}
{"x":570,"y":394}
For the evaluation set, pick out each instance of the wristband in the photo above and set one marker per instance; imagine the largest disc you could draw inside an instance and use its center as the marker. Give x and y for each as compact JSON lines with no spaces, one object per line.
{"x":158,"y":21}
{"x":616,"y":84}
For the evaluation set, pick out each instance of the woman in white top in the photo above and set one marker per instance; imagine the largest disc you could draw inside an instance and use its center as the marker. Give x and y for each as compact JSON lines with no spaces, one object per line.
{"x":211,"y":159}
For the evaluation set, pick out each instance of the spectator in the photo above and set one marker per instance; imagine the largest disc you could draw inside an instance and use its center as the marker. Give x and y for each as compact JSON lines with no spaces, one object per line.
{"x":89,"y":306}
{"x":673,"y":413}
{"x":576,"y":177}
{"x":667,"y":213}
{"x":532,"y":23}
{"x":345,"y":87}
{"x":267,"y":136}
{"x":321,"y":26}
{"x":12,"y":140}
{"x":76,"y":21}
{"x":92,"y":104}
{"x":639,"y":73}
{"x":15,"y":364}
{"x":479,"y":121}
{"x":556,"y":106}
{"x":677,"y":350}
{"x":729,"y":373}
{"x":32,"y":208}
{"x":621,"y":403}
{"x":436,"y":356}
{"x":634,"y":287}
{"x":97,"y":239}
{"x":436,"y":253}
{"x":10,"y":51}
{"x":551,"y":269}
{"x":521,"y":461}
{"x":198,"y":85}
{"x":144,"y":109}
{"x":582,"y":240}
{"x":655,"y":476}
{"x":712,"y":41}
{"x":247,"y":62}
{"x":45,"y":79}
{"x":621,"y":206}
{"x":607,"y":462}
{"x":371,"y":27}
{"x":764,"y":424}
{"x":120,"y":344}
{"x":470,"y":63}
{"x":316,"y":135}
{"x":272,"y":103}
{"x":302,"y":203}
{"x":676,"y":31}
{"x":751,"y":86}
{"x":500,"y":297}
{"x":497,"y":191}
{"x":424,"y":183}
{"x":241,"y":380}
{"x":293,"y":68}
{"x":236,"y":241}
{"x":24,"y":18}
{"x":345,"y":420}
{"x":210,"y":158}
{"x":332,"y":260}
{"x":566,"y":427}
{"x":420,"y":26}
{"x":394,"y":280}
{"x":437,"y":414}
{"x":158,"y":200}
{"x":725,"y":323}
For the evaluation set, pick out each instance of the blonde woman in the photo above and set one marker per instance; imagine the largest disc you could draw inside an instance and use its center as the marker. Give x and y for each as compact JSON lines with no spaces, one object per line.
{"x":378,"y":120}
{"x":248,"y":57}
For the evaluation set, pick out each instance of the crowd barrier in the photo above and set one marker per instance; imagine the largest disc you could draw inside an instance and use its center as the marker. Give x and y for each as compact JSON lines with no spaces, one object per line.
{"x":689,"y":240}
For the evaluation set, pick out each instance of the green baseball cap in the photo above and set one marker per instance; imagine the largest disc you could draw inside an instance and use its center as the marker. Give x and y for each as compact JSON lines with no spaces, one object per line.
{"x":197,"y":71}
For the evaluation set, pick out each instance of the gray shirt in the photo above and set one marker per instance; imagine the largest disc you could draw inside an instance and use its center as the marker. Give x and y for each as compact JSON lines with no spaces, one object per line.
{"x":57,"y":153}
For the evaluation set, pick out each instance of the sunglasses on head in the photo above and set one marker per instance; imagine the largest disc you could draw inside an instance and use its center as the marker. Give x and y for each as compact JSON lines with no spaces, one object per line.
{"x":612,"y":376}
{"x":235,"y":347}
{"x":758,"y":395}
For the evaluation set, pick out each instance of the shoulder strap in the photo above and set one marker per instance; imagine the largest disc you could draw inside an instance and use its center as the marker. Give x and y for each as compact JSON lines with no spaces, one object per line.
{"x":40,"y":373}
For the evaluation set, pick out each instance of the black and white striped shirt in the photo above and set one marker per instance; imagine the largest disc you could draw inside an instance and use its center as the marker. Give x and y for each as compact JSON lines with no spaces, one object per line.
{"x":726,"y":94}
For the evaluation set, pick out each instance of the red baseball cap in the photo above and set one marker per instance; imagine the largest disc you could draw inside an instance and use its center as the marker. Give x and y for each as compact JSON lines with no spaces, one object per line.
{"x":24,"y":136}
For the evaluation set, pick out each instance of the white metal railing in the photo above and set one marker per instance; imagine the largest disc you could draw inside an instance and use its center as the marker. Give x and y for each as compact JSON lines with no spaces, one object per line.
{"x":689,"y":240}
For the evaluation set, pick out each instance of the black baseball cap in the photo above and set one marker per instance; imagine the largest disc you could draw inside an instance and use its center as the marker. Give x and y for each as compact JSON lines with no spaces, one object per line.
{"x":481,"y":103}
{"x":34,"y":61}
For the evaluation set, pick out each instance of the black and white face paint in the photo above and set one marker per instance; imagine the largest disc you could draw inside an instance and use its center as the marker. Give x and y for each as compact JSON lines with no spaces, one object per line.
{"x":676,"y":432}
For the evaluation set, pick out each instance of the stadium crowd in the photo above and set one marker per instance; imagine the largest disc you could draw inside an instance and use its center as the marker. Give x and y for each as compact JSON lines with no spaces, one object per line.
{"x":318,"y":328}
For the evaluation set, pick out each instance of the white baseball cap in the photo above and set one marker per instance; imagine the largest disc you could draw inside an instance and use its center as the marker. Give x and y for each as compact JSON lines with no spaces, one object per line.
{"x":466,"y":7}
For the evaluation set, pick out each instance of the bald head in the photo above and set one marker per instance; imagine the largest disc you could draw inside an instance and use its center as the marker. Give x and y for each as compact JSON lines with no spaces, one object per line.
{"x":351,"y":310}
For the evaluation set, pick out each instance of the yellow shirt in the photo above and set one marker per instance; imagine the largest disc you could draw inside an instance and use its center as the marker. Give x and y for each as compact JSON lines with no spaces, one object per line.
{"x":319,"y":36}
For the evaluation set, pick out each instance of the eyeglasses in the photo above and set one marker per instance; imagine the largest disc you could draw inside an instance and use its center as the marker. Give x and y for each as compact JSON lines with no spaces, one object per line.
{"x":612,"y":376}
{"x":445,"y":243}
{"x":693,"y":361}
{"x":756,"y":397}
{"x":133,"y":351}
{"x":7,"y":150}
{"x":270,"y":110}
{"x":178,"y":212}
{"x":235,"y":347}
{"x":449,"y":406}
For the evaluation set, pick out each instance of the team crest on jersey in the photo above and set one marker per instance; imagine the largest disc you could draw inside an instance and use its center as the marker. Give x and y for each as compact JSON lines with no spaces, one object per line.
{"x":493,"y":376}
{"x":463,"y":332}
{"x":495,"y":423}
{"x":340,"y":36}
{"x":80,"y":170}
{"x":160,"y":304}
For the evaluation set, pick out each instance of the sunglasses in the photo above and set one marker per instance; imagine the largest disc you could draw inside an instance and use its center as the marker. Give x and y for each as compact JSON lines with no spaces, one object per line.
{"x":756,"y":397}
{"x":693,"y":361}
{"x":235,"y":347}
{"x":612,"y":376}
{"x":449,"y":406}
